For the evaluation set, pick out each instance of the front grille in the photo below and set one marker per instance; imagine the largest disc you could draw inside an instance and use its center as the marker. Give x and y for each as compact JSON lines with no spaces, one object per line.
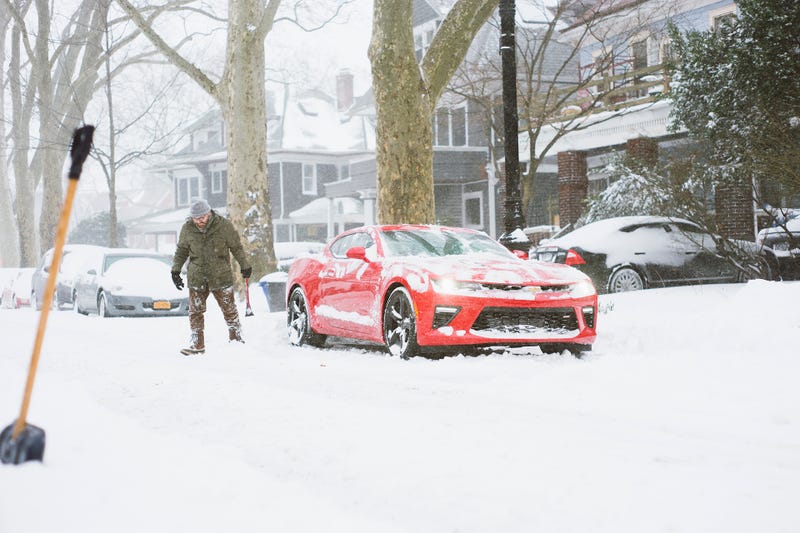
{"x":561,"y":320}
{"x":531,"y":288}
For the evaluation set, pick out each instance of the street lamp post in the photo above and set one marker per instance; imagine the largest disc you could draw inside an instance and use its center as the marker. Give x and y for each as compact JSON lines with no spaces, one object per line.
{"x":514,"y":221}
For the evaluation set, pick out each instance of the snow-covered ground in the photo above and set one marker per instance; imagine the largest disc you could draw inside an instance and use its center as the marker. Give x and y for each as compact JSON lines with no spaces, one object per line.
{"x":685,"y":418}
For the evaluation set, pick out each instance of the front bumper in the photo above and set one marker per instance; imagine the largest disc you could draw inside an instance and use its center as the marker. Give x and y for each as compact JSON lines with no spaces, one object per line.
{"x":146,"y":306}
{"x":467,"y":320}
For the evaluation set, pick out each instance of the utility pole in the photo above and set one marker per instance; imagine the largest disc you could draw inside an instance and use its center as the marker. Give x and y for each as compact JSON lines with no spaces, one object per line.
{"x":514,"y":221}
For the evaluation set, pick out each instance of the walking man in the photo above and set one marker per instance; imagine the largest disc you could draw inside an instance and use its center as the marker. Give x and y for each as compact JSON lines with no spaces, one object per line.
{"x":207,"y":240}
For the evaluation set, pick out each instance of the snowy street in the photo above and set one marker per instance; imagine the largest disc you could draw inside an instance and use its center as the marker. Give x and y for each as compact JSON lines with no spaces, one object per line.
{"x":684,"y":418}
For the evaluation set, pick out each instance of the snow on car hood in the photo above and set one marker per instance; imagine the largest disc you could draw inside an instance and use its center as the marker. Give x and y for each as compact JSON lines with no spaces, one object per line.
{"x":487,"y":268}
{"x":141,"y":276}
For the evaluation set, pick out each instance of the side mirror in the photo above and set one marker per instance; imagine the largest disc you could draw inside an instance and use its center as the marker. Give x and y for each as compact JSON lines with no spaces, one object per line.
{"x":92,"y":272}
{"x":357,"y":252}
{"x":521,"y":254}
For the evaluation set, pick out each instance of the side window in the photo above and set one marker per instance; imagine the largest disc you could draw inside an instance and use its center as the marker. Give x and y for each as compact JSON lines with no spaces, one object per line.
{"x":340,"y":246}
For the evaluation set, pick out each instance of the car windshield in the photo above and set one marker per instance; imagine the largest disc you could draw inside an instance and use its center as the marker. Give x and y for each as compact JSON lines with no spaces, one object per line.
{"x":438,"y":243}
{"x":111,"y":259}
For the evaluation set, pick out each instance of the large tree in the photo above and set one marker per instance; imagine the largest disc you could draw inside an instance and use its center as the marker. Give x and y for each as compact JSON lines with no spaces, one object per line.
{"x":239,"y":92}
{"x":406,"y":94}
{"x":52,"y":76}
{"x":739,"y":90}
{"x":9,"y":252}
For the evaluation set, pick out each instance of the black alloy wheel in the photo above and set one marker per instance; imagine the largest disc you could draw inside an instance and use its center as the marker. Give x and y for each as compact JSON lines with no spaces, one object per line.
{"x":399,"y":324}
{"x":298,"y":321}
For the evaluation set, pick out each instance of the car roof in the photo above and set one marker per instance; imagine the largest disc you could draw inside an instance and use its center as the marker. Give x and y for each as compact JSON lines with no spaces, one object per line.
{"x":592,"y":232}
{"x":419,"y":227}
{"x":132,"y":251}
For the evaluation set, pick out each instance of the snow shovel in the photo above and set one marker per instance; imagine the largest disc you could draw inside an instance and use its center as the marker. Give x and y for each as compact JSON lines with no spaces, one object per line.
{"x":249,"y":310}
{"x":20,"y":441}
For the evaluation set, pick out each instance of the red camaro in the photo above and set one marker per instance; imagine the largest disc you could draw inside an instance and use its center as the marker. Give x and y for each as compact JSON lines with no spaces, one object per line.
{"x":427,"y":288}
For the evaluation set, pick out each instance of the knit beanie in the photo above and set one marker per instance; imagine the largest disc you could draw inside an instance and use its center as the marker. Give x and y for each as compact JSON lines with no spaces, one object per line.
{"x":199,"y":208}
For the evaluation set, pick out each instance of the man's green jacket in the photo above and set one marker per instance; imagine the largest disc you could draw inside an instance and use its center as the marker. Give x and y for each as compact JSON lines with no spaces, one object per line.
{"x":208,"y":251}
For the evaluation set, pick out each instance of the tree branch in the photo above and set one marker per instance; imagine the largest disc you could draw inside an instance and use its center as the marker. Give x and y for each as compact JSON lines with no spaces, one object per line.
{"x":206,"y":83}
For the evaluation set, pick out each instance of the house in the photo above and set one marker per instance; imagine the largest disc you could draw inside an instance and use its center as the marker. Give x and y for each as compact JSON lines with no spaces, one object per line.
{"x":311,"y":141}
{"x":632,"y":119}
{"x":465,"y":148}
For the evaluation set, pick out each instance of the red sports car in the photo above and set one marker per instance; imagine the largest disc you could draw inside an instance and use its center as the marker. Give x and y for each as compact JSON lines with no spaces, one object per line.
{"x":419,"y":288}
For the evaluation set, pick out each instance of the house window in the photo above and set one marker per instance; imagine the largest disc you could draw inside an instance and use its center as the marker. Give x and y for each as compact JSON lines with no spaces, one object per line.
{"x":344,"y":172}
{"x":422,"y":40}
{"x":717,"y":17}
{"x":473,"y":210}
{"x":309,"y":179}
{"x":639,"y":54}
{"x":459,"y":125}
{"x":450,"y":127}
{"x":218,"y":179}
{"x":186,"y":189}
{"x":442,"y":127}
{"x":666,"y":51}
{"x":603,"y":61}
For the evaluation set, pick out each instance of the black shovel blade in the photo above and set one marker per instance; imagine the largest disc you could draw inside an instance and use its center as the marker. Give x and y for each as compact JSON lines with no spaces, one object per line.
{"x":28,"y":446}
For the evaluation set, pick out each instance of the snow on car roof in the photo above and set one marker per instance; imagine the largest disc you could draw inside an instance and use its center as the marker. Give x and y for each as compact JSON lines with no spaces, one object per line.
{"x":602,"y":229}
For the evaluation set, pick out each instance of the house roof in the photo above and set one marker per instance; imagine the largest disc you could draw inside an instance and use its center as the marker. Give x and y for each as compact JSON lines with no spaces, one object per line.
{"x":345,"y":209}
{"x":311,"y":122}
{"x":609,"y":128}
{"x":422,"y":12}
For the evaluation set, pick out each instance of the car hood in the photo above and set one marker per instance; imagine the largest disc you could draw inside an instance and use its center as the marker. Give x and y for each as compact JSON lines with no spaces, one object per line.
{"x":491,"y":269}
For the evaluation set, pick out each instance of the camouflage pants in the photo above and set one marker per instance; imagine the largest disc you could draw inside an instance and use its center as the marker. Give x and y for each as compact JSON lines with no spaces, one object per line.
{"x":226,"y":299}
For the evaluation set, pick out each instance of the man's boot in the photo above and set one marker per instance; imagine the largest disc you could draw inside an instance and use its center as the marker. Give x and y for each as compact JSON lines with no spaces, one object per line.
{"x":197,"y":344}
{"x":234,"y":334}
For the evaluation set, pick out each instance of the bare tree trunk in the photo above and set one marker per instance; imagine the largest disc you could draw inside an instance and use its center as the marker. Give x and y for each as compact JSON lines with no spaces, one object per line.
{"x":111,"y":177}
{"x":404,"y":149}
{"x":243,"y":103}
{"x":48,"y":130}
{"x":405,"y":97}
{"x":9,"y":250}
{"x":21,"y":115}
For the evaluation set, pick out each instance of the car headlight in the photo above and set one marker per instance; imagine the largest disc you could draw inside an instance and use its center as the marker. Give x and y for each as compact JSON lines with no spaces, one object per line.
{"x":582,"y":288}
{"x":450,"y":286}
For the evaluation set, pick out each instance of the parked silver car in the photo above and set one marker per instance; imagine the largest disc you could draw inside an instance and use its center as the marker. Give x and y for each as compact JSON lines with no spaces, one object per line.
{"x":72,"y":256}
{"x":785,"y":241}
{"x":127,"y":282}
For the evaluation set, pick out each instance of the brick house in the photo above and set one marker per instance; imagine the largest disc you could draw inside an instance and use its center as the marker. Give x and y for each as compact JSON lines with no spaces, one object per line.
{"x":642,"y":130}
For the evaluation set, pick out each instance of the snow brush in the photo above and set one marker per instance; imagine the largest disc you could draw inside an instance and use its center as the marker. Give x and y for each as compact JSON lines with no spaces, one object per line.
{"x":248,"y":310}
{"x":20,"y":441}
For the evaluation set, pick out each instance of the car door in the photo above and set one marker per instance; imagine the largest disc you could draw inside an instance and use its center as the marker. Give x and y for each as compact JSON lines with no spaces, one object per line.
{"x":348,"y":286}
{"x":704,"y":264}
{"x":86,"y":284}
{"x":651,"y":247}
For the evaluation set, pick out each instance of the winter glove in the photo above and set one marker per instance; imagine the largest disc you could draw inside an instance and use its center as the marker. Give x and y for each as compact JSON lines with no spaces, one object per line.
{"x":176,"y":279}
{"x":246,"y":272}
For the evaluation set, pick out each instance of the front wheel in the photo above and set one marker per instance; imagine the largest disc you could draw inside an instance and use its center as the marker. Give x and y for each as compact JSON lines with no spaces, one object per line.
{"x":625,"y":279}
{"x":102,"y":306}
{"x":298,"y":321}
{"x":399,"y":324}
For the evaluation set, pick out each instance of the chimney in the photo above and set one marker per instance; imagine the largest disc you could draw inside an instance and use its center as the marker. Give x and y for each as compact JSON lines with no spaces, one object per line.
{"x":344,"y":90}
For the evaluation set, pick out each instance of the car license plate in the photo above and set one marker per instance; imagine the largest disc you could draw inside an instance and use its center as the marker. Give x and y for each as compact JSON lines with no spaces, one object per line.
{"x":162,"y":305}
